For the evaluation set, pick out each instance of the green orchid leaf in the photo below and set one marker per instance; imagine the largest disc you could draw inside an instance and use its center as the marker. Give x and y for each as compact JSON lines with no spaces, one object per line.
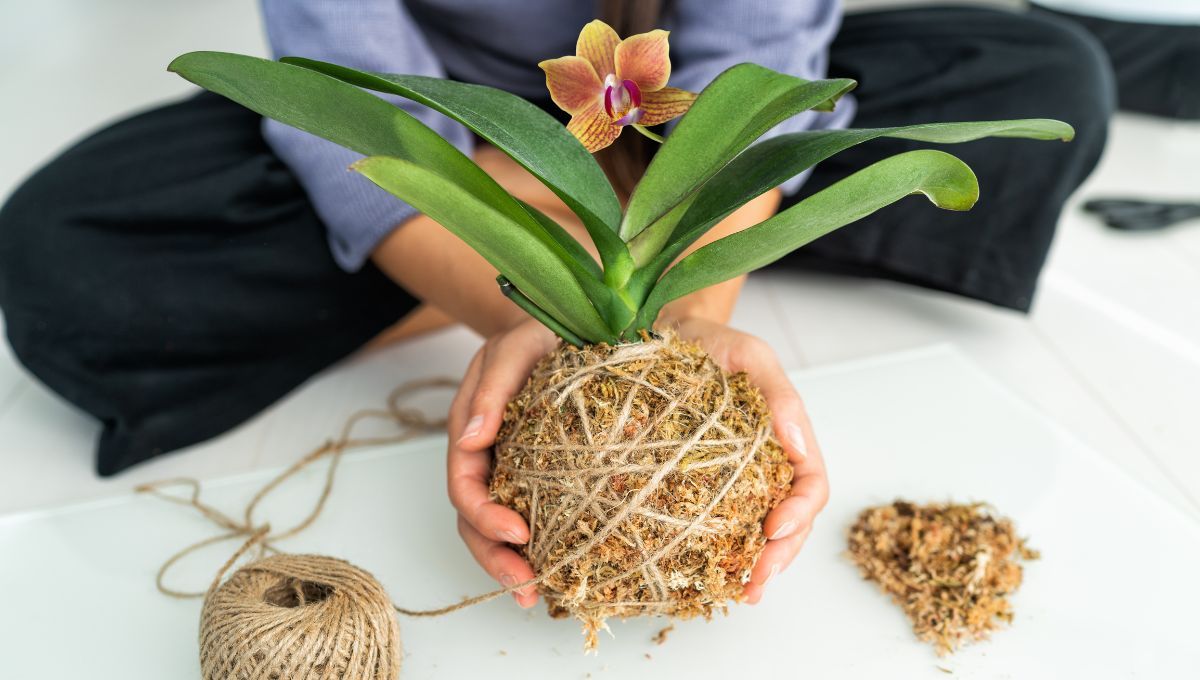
{"x":346,"y":115}
{"x":734,"y":110}
{"x":520,"y":256}
{"x":612,"y":307}
{"x":529,"y":135}
{"x":768,"y":164}
{"x":339,"y":112}
{"x":944,"y":179}
{"x":574,"y":248}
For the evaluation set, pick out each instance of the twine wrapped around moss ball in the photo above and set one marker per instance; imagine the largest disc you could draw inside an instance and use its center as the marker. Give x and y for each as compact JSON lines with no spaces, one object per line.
{"x":645,"y":472}
{"x":293,"y":616}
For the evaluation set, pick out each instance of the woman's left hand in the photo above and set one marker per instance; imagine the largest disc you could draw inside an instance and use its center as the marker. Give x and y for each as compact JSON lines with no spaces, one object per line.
{"x":788,"y":525}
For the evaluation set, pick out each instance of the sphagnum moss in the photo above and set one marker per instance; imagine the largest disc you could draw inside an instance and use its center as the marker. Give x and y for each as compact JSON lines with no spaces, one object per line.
{"x":645,"y":473}
{"x":950,"y":567}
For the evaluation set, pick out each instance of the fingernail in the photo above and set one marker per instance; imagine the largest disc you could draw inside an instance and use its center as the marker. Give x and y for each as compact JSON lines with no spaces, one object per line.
{"x":508,"y":581}
{"x":474,"y":425}
{"x":771,"y":574}
{"x":795,"y":435}
{"x":510,"y":537}
{"x":785,"y":529}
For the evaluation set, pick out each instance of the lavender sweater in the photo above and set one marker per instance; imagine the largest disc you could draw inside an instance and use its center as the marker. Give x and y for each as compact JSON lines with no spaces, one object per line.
{"x":499,"y":43}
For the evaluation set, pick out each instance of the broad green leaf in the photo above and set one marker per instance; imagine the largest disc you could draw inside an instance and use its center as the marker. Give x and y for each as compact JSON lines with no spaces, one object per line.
{"x":346,"y":115}
{"x":529,"y":135}
{"x":519,"y":256}
{"x":734,"y":110}
{"x":768,"y":164}
{"x":337,"y":111}
{"x":612,"y":307}
{"x":944,"y":179}
{"x":574,"y":248}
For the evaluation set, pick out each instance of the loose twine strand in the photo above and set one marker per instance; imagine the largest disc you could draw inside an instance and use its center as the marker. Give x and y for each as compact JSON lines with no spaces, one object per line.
{"x":412,"y":423}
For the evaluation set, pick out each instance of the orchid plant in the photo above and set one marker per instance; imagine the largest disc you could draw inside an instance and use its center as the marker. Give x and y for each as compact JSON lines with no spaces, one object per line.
{"x":707,"y":168}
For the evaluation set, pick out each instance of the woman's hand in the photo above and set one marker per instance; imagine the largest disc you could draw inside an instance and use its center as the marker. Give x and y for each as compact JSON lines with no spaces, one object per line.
{"x":788,"y":525}
{"x":499,"y":370}
{"x":496,"y":373}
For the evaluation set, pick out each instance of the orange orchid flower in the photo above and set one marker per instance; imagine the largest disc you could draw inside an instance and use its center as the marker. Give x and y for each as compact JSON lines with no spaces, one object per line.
{"x":612,"y":83}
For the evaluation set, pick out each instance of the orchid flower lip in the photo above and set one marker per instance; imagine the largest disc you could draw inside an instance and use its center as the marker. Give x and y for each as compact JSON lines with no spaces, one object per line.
{"x":631,"y":117}
{"x":622,"y":100}
{"x":635,"y":92}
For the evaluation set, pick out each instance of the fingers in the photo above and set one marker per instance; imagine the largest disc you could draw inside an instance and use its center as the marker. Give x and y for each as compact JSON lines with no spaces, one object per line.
{"x":499,"y":561}
{"x":788,"y":525}
{"x":496,"y":373}
{"x":810,"y":493}
{"x":776,"y":557}
{"x":507,"y":361}
{"x":788,"y":416}
{"x":467,"y":474}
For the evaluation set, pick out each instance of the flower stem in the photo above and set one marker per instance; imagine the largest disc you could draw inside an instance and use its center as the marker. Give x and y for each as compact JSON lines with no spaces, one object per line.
{"x":510,"y":291}
{"x":645,"y":131}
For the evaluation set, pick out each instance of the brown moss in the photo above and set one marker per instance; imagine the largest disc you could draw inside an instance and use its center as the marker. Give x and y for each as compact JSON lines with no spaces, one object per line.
{"x":645,"y":473}
{"x":950,"y":567}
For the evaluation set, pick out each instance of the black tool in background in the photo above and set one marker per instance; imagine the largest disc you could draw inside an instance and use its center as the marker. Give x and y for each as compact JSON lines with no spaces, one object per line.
{"x":1138,"y":215}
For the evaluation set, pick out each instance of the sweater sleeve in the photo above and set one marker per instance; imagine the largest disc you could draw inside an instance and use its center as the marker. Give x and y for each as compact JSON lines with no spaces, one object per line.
{"x":790,"y":36}
{"x":376,"y":35}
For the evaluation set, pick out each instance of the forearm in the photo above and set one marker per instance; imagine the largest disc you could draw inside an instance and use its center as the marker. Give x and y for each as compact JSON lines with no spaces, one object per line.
{"x":439,"y":269}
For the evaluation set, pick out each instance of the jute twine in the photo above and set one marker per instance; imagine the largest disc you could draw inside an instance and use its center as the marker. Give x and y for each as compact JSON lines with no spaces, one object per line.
{"x":644,"y":472}
{"x":285,"y":615}
{"x":296,"y":616}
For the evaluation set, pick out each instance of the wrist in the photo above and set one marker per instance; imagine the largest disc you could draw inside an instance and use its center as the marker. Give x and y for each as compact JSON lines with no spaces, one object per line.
{"x":714,"y":303}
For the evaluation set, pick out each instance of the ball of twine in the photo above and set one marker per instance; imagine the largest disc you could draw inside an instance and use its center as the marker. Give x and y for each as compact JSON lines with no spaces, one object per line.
{"x":292,"y":616}
{"x":645,"y":472}
{"x":297,"y":616}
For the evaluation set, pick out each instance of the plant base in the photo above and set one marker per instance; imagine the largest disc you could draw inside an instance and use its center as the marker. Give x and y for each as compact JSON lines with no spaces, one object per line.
{"x":645,"y":473}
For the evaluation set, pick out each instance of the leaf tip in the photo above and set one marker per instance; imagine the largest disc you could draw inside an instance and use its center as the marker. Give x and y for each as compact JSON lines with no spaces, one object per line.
{"x":180,"y":62}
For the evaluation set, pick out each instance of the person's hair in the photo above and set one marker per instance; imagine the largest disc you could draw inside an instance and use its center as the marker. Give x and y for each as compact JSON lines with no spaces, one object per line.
{"x":627,"y":158}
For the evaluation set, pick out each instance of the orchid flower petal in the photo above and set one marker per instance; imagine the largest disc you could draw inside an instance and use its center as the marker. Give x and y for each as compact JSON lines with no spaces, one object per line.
{"x":663,"y":105}
{"x":597,"y":43}
{"x":643,"y":58}
{"x":593,"y":128}
{"x":572,"y":82}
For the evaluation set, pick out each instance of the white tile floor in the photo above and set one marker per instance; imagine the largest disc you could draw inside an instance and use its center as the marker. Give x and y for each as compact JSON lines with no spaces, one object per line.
{"x":1112,"y":349}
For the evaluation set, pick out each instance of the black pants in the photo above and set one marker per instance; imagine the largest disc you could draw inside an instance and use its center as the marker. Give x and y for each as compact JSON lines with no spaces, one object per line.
{"x":168,"y":275}
{"x":1157,"y":66}
{"x":927,"y":65}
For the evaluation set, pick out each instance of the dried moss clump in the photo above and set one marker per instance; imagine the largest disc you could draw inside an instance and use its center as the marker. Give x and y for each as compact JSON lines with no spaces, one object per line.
{"x":645,"y":472}
{"x":950,"y":567}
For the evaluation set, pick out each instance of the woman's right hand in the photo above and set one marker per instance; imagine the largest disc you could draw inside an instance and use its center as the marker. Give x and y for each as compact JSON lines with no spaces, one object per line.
{"x":495,"y":375}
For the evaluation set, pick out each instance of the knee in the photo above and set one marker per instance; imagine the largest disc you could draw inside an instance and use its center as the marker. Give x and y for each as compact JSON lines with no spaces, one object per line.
{"x":1075,"y":77}
{"x":39,"y":259}
{"x":23,"y":221}
{"x":1183,"y":100}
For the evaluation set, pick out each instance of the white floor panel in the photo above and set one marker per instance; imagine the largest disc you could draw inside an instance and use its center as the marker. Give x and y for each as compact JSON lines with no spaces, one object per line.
{"x":1086,"y":608}
{"x":834,"y":319}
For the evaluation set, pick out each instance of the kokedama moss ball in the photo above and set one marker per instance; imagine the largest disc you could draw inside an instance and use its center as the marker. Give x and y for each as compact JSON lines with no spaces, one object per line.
{"x":645,"y":473}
